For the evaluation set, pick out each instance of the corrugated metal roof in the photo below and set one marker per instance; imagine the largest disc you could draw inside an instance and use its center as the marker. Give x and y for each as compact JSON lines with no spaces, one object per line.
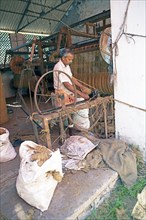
{"x":33,"y":16}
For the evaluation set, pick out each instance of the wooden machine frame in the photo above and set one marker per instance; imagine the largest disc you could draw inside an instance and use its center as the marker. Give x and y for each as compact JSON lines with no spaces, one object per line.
{"x":66,"y":111}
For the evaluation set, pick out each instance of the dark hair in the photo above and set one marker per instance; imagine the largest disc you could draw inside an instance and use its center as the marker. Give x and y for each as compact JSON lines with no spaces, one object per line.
{"x":65,"y":51}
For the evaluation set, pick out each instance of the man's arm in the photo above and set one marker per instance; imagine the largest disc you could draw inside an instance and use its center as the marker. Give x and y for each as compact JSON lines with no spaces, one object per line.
{"x":83,"y":88}
{"x":71,"y":88}
{"x":77,"y":83}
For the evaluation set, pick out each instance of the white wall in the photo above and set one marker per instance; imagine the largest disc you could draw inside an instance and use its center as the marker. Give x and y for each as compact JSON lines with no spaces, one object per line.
{"x":130,"y":79}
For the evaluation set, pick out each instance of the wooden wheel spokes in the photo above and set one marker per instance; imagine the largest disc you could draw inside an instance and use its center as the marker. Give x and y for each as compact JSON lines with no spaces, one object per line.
{"x":45,"y":97}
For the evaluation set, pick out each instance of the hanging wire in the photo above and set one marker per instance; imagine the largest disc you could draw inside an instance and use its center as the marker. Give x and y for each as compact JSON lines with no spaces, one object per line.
{"x":122,"y":26}
{"x":115,"y":44}
{"x":134,"y":35}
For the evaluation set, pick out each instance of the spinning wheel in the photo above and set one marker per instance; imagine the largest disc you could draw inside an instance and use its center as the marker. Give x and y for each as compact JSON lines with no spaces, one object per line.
{"x":48,"y":113}
{"x":17,"y":64}
{"x":45,"y":99}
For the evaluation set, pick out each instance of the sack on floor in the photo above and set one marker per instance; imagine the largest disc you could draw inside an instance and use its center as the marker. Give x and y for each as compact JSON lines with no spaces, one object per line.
{"x":40,"y":171}
{"x":7,"y":151}
{"x":139,"y":210}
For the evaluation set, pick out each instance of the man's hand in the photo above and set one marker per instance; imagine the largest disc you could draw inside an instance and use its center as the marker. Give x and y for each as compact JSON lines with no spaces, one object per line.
{"x":85,"y":96}
{"x":86,"y":90}
{"x":78,"y":92}
{"x":83,"y":88}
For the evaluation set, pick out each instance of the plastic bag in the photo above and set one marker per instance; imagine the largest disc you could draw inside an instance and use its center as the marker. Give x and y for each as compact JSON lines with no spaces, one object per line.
{"x":81,"y":118}
{"x":40,"y":171}
{"x":76,"y":149}
{"x":138,"y":211}
{"x":7,"y":151}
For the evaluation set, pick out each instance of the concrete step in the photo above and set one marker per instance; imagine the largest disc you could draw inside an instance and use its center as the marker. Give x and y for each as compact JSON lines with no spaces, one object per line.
{"x":74,"y":198}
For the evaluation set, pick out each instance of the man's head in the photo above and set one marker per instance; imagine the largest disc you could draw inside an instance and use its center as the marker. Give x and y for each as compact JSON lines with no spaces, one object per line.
{"x":66,"y":56}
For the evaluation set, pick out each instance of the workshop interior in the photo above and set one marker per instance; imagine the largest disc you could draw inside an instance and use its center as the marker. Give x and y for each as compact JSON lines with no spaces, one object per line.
{"x":61,"y":160}
{"x":31,"y":66}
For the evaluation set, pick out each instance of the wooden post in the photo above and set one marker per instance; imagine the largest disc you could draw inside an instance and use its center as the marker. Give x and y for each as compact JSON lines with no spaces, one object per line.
{"x":3,"y":107}
{"x":35,"y":129}
{"x":105,"y":120}
{"x":47,"y":132}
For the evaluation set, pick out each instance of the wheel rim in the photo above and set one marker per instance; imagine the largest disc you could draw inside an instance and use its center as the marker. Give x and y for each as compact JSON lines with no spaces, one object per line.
{"x":42,"y":93}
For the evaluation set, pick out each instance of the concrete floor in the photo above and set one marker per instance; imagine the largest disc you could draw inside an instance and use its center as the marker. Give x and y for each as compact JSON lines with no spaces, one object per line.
{"x":74,"y":198}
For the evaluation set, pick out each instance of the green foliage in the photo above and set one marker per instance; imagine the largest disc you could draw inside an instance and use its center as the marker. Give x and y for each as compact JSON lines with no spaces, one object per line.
{"x":137,"y":188}
{"x":121,"y":199}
